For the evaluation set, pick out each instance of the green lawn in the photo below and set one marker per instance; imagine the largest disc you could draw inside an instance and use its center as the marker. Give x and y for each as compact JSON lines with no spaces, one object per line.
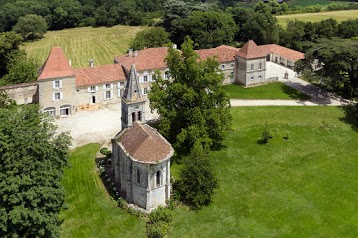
{"x":303,"y":186}
{"x":318,"y":16}
{"x":82,"y":44}
{"x":91,"y":211}
{"x":268,"y":91}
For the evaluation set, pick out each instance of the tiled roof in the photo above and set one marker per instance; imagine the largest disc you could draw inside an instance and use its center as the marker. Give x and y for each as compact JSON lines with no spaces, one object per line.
{"x":145,"y":144}
{"x":56,"y":65}
{"x":224,"y":53}
{"x":151,"y":58}
{"x":99,"y":74}
{"x":251,"y":51}
{"x":283,"y":51}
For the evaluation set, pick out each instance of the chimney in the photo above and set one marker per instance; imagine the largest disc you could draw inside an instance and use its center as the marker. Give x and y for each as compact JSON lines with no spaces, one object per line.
{"x":175,"y":46}
{"x":130,"y":52}
{"x":91,"y":63}
{"x":70,"y":62}
{"x":135,"y":53}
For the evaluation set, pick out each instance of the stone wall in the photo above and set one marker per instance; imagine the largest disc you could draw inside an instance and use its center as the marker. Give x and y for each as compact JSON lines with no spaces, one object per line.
{"x":23,"y":93}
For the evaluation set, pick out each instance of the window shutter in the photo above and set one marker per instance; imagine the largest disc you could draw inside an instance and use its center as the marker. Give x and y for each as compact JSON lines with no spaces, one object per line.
{"x":104,"y":86}
{"x":53,"y":84}
{"x":111,"y":94}
{"x":89,"y":89}
{"x":61,"y":95}
{"x":149,"y":78}
{"x":119,"y":92}
{"x":142,"y":91}
{"x":104,"y":95}
{"x":60,"y":83}
{"x":118,"y":85}
{"x":111,"y":85}
{"x":96,"y":88}
{"x":53,"y":96}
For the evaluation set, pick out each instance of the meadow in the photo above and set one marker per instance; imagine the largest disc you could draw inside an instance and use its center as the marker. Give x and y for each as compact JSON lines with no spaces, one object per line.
{"x":82,"y":44}
{"x":273,"y":91}
{"x":318,"y":16}
{"x":301,"y":184}
{"x":306,"y":3}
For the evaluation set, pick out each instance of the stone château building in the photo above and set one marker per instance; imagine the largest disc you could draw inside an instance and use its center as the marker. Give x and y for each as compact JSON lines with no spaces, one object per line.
{"x":62,"y":90}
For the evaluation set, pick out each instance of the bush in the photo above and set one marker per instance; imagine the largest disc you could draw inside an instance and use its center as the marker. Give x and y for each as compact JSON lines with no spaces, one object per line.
{"x":266,"y":135}
{"x":159,"y":223}
{"x":351,"y":113}
{"x":105,"y":151}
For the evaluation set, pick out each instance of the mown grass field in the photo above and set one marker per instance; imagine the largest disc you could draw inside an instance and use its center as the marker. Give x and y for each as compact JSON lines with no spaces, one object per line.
{"x":306,"y":3}
{"x":269,"y":91}
{"x":301,"y":186}
{"x":82,"y":44}
{"x":318,"y":16}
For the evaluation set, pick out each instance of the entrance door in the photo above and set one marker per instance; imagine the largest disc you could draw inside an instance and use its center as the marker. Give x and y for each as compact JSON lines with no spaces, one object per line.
{"x":93,"y":99}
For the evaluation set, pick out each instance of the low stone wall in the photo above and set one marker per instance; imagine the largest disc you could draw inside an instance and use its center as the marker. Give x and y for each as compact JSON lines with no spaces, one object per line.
{"x":23,"y":93}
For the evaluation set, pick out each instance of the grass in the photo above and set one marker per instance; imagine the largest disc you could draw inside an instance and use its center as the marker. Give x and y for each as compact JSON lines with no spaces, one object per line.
{"x":307,"y":3}
{"x":268,"y":91}
{"x":318,"y":16}
{"x":82,"y":44}
{"x":91,"y":211}
{"x":301,"y":186}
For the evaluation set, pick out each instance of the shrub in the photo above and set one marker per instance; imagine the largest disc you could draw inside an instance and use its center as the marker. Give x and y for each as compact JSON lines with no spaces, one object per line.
{"x":159,"y":223}
{"x":266,"y":135}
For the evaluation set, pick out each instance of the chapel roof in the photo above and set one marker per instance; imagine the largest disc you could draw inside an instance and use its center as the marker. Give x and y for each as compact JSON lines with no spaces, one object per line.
{"x":56,"y":65}
{"x":151,"y":58}
{"x":99,"y":74}
{"x":145,"y":144}
{"x":283,"y":51}
{"x":251,"y":51}
{"x":223,"y":53}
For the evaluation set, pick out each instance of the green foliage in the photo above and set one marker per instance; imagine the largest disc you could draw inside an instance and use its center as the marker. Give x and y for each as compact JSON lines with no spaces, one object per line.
{"x":266,"y":135}
{"x":5,"y":101}
{"x":348,"y":29}
{"x":33,"y":159}
{"x":9,"y":50}
{"x":197,"y":180}
{"x":335,"y":61}
{"x":21,"y":71}
{"x":154,"y":37}
{"x":31,"y":26}
{"x":159,"y":222}
{"x":351,"y":111}
{"x":193,"y":102}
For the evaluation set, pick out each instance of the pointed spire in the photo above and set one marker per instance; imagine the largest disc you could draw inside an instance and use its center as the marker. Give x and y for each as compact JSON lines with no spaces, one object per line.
{"x":250,"y":51}
{"x":132,"y":91}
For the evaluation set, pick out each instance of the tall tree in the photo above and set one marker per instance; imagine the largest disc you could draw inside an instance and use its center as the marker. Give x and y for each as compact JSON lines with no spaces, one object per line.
{"x":154,"y":37}
{"x":193,"y":102}
{"x":336,"y":61}
{"x":21,"y":70}
{"x":31,"y":26}
{"x":9,"y":50}
{"x":32,"y":161}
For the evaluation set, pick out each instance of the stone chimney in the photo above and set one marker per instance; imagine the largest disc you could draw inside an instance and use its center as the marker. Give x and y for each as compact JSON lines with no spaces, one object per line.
{"x":91,"y":63}
{"x":130,"y":52}
{"x":135,"y":53}
{"x":70,"y":62}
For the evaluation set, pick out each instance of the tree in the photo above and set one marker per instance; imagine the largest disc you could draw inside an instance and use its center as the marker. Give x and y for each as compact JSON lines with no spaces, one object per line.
{"x":31,"y":26}
{"x":293,"y":36}
{"x":336,"y":61}
{"x":101,"y":16}
{"x":348,"y":29}
{"x":208,"y":29}
{"x":197,"y":179}
{"x":9,"y":50}
{"x":240,"y":15}
{"x":193,"y":102}
{"x":21,"y":71}
{"x":154,"y":37}
{"x":32,"y":159}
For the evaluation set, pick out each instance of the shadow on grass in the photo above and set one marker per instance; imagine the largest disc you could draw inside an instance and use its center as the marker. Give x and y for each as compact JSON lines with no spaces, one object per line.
{"x":293,"y":93}
{"x":351,"y":115}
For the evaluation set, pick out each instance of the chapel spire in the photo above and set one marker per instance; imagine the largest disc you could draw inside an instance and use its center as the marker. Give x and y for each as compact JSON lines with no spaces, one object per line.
{"x":132,"y":92}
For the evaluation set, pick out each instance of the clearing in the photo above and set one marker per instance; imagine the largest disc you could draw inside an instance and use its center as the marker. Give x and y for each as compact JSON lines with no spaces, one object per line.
{"x":318,"y":16}
{"x":302,"y":183}
{"x":82,"y":44}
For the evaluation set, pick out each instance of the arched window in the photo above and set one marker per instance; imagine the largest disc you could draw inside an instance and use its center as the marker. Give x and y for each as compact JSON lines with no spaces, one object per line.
{"x":50,"y":110}
{"x":133,"y":117}
{"x":65,"y":110}
{"x":158,"y":178}
{"x":138,"y":176}
{"x":139,"y":116}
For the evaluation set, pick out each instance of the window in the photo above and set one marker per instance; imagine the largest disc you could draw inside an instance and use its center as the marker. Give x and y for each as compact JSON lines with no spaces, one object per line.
{"x":93,"y":89}
{"x":145,"y":91}
{"x":57,"y":96}
{"x":50,"y":111}
{"x":222,"y":66}
{"x":260,"y":65}
{"x":166,"y":75}
{"x":259,"y":77}
{"x":252,"y":78}
{"x":57,"y":84}
{"x":65,"y":110}
{"x":133,"y":117}
{"x":232,"y":75}
{"x":139,"y":116}
{"x":108,"y":95}
{"x":252,"y":67}
{"x":158,"y":179}
{"x":108,"y":85}
{"x":121,"y":84}
{"x":232,"y":65}
{"x":138,"y":176}
{"x":145,"y":78}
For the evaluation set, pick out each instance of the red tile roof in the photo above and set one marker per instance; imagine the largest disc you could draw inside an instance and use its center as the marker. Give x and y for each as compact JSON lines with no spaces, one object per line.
{"x":145,"y":144}
{"x":56,"y":65}
{"x":99,"y":74}
{"x":251,"y":51}
{"x":151,"y":58}
{"x":283,"y":51}
{"x":224,"y":53}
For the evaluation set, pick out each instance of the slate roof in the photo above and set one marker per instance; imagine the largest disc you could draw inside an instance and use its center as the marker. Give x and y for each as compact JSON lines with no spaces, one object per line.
{"x":56,"y":65}
{"x":283,"y":51}
{"x":224,"y":53}
{"x":99,"y":74}
{"x":151,"y":58}
{"x":251,"y":51}
{"x":145,"y":144}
